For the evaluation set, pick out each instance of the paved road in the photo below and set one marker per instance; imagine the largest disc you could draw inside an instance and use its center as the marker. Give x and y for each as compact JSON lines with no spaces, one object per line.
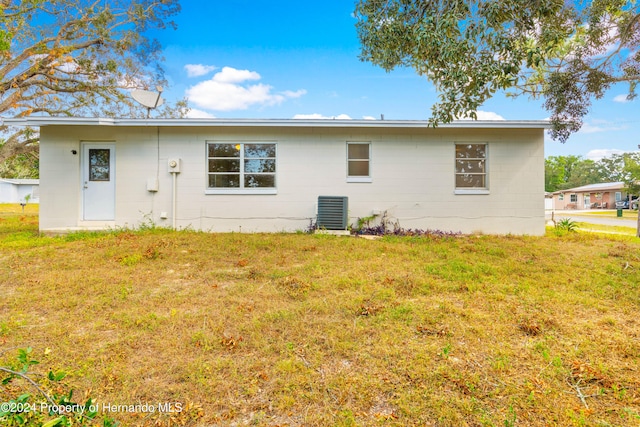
{"x":583,"y":216}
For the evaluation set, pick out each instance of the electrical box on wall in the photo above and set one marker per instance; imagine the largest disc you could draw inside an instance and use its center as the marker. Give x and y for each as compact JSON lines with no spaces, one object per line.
{"x":174,"y":165}
{"x":152,"y":185}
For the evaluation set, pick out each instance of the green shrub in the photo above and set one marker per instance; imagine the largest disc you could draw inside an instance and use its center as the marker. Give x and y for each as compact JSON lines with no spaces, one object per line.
{"x":566,"y":224}
{"x":33,"y":406}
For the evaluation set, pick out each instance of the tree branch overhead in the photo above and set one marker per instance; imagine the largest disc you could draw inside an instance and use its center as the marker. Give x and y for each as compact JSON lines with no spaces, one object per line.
{"x":567,"y":53}
{"x":71,"y":57}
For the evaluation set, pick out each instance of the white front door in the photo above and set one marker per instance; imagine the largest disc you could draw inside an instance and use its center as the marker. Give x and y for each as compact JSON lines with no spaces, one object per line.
{"x":98,"y":182}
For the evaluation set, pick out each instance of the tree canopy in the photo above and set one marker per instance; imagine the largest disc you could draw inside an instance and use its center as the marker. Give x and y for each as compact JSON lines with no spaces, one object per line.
{"x":563,"y":172}
{"x":78,"y":58}
{"x":566,"y":53}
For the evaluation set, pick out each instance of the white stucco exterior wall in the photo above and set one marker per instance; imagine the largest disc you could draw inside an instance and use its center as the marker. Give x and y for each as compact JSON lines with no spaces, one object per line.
{"x":412,"y":173}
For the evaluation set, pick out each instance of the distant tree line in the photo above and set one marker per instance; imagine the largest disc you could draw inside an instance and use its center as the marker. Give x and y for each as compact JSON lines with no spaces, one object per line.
{"x":563,"y":172}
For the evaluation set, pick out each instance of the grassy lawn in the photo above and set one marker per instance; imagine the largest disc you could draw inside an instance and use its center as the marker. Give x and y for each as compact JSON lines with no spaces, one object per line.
{"x":317,"y":330}
{"x":609,"y":213}
{"x":610,"y":229}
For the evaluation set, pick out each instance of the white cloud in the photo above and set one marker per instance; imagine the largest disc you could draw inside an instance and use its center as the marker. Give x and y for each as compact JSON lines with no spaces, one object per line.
{"x":317,"y":116}
{"x":194,"y":113}
{"x":599,"y":126}
{"x":486,"y":115}
{"x":621,"y":98}
{"x":598,"y":154}
{"x":589,"y":128}
{"x":228,"y":90}
{"x":296,"y":94}
{"x":231,"y":75}
{"x":368,"y":118}
{"x":197,"y":70}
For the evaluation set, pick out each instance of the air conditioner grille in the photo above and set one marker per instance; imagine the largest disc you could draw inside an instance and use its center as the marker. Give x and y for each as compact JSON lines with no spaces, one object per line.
{"x":332,"y":212}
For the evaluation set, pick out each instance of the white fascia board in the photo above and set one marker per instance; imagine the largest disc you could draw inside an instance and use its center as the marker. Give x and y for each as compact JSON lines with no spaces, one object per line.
{"x":304,"y":123}
{"x":46,"y":121}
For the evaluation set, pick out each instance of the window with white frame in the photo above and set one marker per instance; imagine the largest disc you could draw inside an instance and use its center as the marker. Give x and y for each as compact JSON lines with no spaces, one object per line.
{"x":471,"y":167}
{"x":359,"y":161}
{"x":561,"y":197}
{"x":241,"y":166}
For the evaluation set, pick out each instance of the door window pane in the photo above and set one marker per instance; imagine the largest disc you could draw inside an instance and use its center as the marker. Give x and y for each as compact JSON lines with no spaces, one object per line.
{"x":99,"y":164}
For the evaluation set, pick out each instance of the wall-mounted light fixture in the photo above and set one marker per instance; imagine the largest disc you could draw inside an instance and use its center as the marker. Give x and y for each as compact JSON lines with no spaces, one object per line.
{"x":74,"y":152}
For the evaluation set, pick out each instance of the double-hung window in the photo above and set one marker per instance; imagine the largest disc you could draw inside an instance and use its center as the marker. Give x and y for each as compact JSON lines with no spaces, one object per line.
{"x":241,"y":167}
{"x":471,"y":168}
{"x":358,"y":162}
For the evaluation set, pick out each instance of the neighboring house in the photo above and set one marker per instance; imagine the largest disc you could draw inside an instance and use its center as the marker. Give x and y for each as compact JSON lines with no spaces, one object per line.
{"x":548,"y":201}
{"x":256,"y":175}
{"x":19,"y":190}
{"x":593,"y":196}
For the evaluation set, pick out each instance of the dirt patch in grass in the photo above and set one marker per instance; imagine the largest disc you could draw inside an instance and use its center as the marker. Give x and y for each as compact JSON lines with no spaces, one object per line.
{"x":302,"y":330}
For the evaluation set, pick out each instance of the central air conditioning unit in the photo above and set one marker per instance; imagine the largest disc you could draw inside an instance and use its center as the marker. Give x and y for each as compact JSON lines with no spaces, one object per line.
{"x":332,"y":212}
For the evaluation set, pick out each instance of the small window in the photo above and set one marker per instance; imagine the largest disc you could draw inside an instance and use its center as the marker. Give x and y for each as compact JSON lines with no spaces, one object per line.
{"x":574,"y":198}
{"x":359,"y":162}
{"x":618,"y":196}
{"x":561,"y":197}
{"x":241,"y":166}
{"x":99,"y":164}
{"x":471,"y":168}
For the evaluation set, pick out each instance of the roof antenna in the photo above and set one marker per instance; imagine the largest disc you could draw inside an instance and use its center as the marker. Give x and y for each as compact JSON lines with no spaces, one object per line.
{"x":381,"y":116}
{"x":148,"y":99}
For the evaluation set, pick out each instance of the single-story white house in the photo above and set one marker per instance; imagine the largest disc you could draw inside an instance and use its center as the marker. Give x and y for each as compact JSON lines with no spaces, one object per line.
{"x":257,"y":175}
{"x":19,"y":190}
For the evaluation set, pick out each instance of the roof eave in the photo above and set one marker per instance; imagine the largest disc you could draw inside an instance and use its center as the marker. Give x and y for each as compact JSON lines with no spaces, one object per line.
{"x":37,"y":121}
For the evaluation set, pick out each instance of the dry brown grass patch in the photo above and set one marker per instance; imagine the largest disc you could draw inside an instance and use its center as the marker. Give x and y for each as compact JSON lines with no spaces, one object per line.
{"x":304,"y":330}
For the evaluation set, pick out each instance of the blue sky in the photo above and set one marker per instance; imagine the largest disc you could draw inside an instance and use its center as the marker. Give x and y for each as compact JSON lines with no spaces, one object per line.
{"x":286,"y":59}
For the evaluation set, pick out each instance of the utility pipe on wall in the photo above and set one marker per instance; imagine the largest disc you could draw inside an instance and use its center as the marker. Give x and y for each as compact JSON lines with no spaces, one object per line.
{"x":174,"y":206}
{"x":174,"y":169}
